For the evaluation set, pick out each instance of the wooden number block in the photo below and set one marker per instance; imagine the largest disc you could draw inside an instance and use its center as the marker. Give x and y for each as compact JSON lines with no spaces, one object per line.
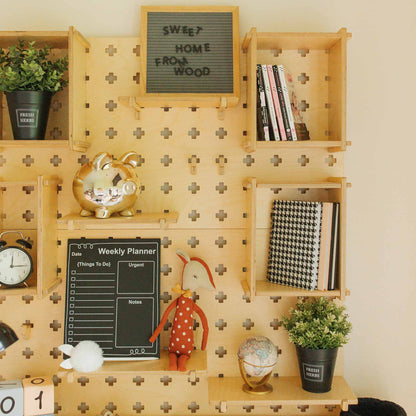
{"x":38,"y":396}
{"x":11,"y":398}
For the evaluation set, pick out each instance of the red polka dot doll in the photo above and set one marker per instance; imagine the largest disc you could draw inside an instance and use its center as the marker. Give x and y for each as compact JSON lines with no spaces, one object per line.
{"x":195,"y":274}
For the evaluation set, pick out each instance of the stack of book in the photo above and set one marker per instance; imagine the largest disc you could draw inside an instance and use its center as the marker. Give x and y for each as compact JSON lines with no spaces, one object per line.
{"x":278,"y":115}
{"x":303,"y":250}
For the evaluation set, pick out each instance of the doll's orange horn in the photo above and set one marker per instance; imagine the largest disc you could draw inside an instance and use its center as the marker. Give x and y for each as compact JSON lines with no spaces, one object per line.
{"x":207,"y":269}
{"x":182,"y":258}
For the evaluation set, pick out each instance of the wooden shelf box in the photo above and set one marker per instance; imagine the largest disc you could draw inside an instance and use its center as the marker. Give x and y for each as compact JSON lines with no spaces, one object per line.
{"x":30,"y":207}
{"x":66,"y":123}
{"x":259,"y":205}
{"x":317,"y":62}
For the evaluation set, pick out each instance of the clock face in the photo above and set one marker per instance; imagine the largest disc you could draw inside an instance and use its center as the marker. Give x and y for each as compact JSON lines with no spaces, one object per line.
{"x":15,"y":266}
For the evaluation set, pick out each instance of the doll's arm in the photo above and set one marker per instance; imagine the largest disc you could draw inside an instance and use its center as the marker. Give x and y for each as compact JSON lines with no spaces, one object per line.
{"x":158,"y":330}
{"x":204,"y":322}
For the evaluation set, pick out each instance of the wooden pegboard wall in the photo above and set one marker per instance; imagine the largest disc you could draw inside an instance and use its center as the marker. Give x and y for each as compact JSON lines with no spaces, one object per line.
{"x":211,"y":225}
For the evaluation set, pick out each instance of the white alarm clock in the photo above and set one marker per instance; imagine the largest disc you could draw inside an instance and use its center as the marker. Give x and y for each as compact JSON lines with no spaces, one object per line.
{"x":16,"y":263}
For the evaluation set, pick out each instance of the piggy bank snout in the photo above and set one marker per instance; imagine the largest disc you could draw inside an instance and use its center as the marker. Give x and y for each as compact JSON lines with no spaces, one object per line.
{"x":129,"y":188}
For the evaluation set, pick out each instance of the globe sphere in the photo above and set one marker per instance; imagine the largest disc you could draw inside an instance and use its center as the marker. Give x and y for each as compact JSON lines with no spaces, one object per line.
{"x":259,"y":356}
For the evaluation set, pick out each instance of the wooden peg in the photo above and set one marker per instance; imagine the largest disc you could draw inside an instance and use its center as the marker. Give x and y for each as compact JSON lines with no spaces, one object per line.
{"x":70,"y":377}
{"x":193,"y":160}
{"x":223,"y":407}
{"x":192,"y":376}
{"x":221,"y":164}
{"x":222,"y":107}
{"x":344,"y":405}
{"x":26,"y":330}
{"x":133,"y":104}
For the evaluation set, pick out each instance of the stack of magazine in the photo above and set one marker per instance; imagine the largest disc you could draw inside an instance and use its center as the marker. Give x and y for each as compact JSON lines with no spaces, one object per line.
{"x":304,"y":241}
{"x":278,"y":114}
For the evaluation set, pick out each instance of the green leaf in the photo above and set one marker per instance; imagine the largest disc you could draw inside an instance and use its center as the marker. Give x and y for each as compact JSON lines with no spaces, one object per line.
{"x":24,"y":67}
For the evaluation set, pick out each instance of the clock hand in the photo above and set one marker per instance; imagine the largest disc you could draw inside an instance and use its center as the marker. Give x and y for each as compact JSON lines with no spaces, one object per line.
{"x":11,"y":264}
{"x":19,"y":265}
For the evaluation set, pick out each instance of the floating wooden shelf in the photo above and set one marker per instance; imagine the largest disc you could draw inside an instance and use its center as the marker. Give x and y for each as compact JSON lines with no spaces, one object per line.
{"x":69,"y":118}
{"x":318,"y":64}
{"x":139,"y":221}
{"x":266,"y":288}
{"x":332,"y":145}
{"x":259,"y":203}
{"x":40,"y":201}
{"x":196,"y":364}
{"x":228,"y":391}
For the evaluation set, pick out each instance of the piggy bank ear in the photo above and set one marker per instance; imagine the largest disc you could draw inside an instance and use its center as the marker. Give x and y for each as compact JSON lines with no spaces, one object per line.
{"x":130,"y":158}
{"x":101,"y":160}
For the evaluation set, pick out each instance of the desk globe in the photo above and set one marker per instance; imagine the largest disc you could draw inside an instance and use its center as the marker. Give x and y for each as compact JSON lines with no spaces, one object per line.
{"x":257,"y":356}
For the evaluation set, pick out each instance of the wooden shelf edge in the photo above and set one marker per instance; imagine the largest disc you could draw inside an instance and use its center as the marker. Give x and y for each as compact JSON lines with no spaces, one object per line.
{"x":41,"y":144}
{"x":330,"y":184}
{"x":76,"y":222}
{"x":330,"y":144}
{"x":286,"y":391}
{"x":266,"y":288}
{"x":18,"y":291}
{"x":197,"y":364}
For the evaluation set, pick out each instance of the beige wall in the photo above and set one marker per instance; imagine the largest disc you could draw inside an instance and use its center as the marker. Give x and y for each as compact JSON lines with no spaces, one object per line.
{"x":381,"y":94}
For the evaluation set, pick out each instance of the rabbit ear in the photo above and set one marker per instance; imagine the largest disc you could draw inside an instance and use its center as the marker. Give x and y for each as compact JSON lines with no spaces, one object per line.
{"x":66,"y":364}
{"x":66,"y":349}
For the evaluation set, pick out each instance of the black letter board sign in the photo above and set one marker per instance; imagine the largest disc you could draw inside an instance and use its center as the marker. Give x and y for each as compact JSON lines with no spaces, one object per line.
{"x":190,"y":50}
{"x":112,"y":296}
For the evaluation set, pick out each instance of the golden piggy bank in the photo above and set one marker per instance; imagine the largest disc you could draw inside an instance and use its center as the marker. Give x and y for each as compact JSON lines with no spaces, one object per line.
{"x":104,"y":186}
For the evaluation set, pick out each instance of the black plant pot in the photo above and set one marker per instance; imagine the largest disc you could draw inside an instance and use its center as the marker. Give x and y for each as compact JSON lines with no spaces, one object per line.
{"x":29,"y":111}
{"x":316,"y":368}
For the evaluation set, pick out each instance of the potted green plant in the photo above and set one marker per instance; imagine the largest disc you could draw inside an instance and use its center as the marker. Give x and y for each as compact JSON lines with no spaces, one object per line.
{"x":317,"y":327}
{"x":29,"y":79}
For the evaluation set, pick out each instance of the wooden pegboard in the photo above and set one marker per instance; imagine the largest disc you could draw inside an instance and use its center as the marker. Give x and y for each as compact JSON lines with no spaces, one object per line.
{"x":212,"y":224}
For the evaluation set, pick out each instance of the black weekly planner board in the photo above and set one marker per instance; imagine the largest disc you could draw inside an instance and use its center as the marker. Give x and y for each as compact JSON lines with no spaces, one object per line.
{"x":112,"y":296}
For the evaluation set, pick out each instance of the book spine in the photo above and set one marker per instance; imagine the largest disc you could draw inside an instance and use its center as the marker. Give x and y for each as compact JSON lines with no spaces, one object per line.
{"x":324,"y":246}
{"x":333,"y":259}
{"x":282,"y":103}
{"x":276,"y":103}
{"x":313,"y":284}
{"x":281,"y":72}
{"x":262,"y":118}
{"x":270,"y":105}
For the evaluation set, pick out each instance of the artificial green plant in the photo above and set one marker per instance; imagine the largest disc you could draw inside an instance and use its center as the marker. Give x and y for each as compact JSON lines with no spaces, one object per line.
{"x":317,"y":324}
{"x":26,"y":68}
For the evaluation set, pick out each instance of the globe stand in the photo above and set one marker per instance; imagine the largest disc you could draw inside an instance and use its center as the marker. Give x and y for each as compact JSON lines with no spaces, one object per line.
{"x":256,"y":387}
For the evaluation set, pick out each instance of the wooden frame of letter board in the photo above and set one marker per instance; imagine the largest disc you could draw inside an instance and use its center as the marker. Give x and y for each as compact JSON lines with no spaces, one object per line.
{"x":189,"y":99}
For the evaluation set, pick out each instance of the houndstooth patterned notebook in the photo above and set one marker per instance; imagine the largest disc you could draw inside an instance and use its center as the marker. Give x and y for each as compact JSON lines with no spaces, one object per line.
{"x":294,"y":243}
